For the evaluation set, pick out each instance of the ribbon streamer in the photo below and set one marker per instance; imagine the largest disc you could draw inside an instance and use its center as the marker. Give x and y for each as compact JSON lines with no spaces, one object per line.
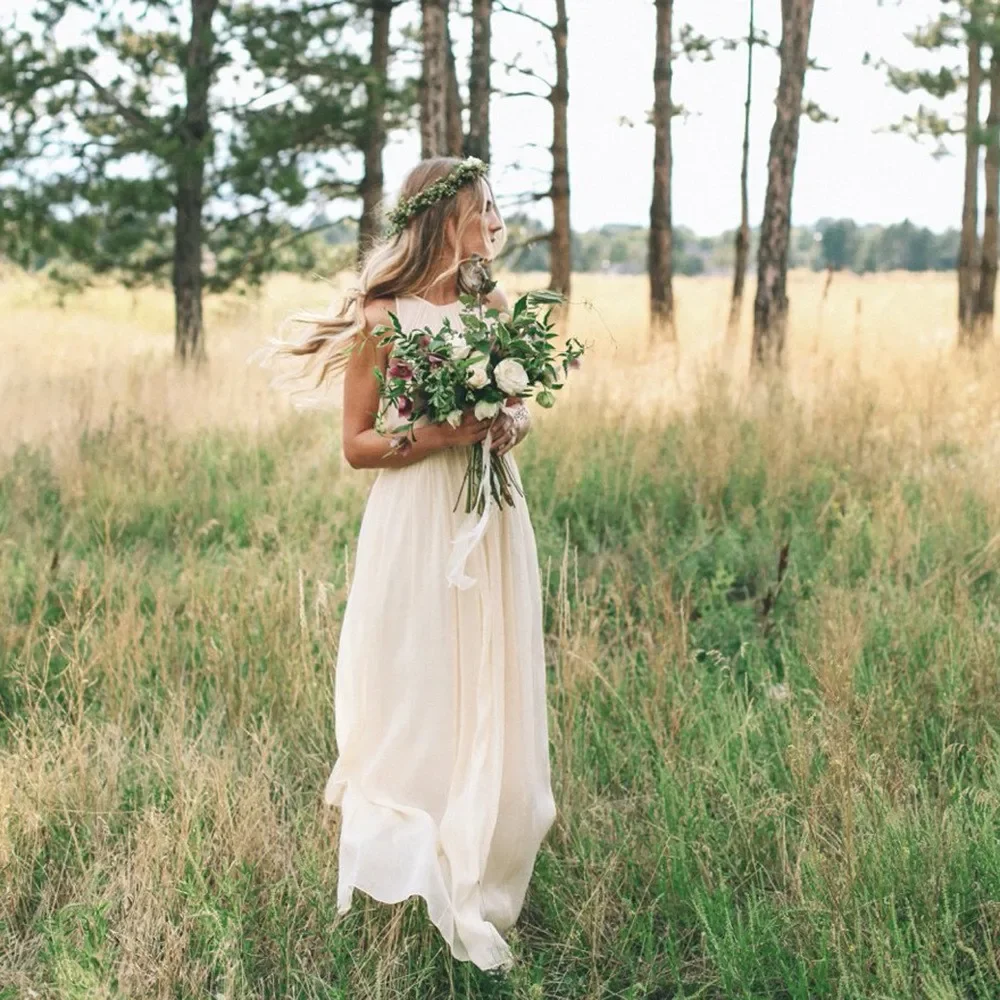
{"x":473,"y":528}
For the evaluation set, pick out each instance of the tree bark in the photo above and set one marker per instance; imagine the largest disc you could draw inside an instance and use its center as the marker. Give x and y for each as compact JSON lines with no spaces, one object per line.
{"x":771,"y":304}
{"x":968,"y":254}
{"x":661,"y":235}
{"x":455,"y":136}
{"x":986,"y":298}
{"x":195,"y":143}
{"x":561,"y":251}
{"x":372,"y":186}
{"x":480,"y":63}
{"x":434,"y":79}
{"x":743,"y":233}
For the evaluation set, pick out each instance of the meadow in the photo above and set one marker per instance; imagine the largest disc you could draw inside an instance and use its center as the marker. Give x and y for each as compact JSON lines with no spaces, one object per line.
{"x":773,"y":638}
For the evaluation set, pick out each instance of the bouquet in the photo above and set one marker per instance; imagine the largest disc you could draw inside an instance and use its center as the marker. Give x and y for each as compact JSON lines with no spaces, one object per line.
{"x":493,"y":357}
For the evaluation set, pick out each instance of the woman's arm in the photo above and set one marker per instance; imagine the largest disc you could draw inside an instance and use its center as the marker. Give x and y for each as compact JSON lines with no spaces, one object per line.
{"x":364,"y":447}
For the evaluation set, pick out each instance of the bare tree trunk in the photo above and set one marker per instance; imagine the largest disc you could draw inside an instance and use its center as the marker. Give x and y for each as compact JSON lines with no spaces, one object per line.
{"x":374,"y":139}
{"x":455,"y":137}
{"x":196,"y":139}
{"x":434,"y":79}
{"x":661,"y":235}
{"x":480,"y":62}
{"x":968,"y":254}
{"x":743,"y":233}
{"x":561,"y":259}
{"x":771,"y":304}
{"x":988,"y":274}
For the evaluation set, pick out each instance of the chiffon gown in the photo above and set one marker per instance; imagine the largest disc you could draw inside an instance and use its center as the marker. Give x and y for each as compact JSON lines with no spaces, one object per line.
{"x":442,"y":772}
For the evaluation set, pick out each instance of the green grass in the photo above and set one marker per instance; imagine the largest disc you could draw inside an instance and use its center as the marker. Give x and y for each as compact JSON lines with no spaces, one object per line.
{"x":170,"y":609}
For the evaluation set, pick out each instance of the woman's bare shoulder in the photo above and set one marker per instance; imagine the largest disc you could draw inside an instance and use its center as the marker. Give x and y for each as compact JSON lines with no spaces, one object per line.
{"x":377,"y":313}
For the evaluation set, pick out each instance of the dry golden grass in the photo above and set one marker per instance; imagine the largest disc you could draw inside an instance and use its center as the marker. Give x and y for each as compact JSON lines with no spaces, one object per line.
{"x":109,"y":349}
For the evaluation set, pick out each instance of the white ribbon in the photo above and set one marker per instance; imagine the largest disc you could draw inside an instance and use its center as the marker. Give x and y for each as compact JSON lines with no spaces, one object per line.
{"x":473,"y":528}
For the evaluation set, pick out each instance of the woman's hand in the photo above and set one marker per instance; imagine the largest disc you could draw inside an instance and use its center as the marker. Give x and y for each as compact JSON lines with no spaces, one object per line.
{"x":509,"y":429}
{"x":470,"y":431}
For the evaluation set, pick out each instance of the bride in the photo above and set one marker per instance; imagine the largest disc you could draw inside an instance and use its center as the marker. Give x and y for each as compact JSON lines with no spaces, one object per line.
{"x":442,"y":774}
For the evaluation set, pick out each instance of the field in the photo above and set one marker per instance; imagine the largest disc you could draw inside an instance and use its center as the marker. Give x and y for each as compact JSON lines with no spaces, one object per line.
{"x":775,"y":778}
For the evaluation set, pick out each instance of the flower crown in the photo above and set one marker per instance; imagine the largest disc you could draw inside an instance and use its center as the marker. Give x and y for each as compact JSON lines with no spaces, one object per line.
{"x":447,"y":187}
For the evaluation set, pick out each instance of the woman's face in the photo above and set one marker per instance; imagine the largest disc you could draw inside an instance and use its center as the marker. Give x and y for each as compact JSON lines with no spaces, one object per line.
{"x":471,"y":241}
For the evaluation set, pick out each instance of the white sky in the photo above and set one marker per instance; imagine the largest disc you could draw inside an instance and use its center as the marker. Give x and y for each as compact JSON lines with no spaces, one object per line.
{"x":844,"y":168}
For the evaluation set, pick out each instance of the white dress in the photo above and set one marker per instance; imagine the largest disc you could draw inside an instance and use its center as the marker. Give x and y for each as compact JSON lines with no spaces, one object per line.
{"x":442,"y":773}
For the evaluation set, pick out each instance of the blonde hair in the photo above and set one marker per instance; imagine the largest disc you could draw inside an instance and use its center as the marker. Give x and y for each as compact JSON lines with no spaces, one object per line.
{"x":408,"y":263}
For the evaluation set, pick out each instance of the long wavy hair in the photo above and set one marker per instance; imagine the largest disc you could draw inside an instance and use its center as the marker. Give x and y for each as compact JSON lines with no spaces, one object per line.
{"x":412,"y":262}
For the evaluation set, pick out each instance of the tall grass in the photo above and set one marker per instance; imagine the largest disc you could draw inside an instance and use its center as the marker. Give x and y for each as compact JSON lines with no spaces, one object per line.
{"x":773,"y":641}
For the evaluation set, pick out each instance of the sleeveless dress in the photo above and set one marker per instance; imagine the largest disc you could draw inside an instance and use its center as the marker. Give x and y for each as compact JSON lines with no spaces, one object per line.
{"x":442,"y":774}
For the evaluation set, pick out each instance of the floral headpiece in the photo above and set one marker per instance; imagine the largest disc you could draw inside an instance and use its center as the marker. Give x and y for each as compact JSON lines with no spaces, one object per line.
{"x":468,"y":170}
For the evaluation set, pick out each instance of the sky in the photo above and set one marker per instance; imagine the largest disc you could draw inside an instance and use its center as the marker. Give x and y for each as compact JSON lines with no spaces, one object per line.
{"x":849,"y":168}
{"x":844,"y":169}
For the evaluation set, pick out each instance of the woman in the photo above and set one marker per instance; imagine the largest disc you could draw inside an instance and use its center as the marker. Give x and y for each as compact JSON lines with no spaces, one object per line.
{"x":442,"y":774}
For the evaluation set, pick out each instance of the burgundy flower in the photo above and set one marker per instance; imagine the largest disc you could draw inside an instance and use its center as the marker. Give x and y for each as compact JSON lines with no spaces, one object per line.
{"x":575,"y":363}
{"x":425,"y":341}
{"x":404,"y":406}
{"x":400,"y":369}
{"x":435,"y":360}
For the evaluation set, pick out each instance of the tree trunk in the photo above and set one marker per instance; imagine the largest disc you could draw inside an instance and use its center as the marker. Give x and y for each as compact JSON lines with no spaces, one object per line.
{"x":661,"y":235}
{"x":771,"y":305}
{"x":195,"y":141}
{"x":478,"y":140}
{"x":743,"y":233}
{"x":968,"y":254}
{"x":374,"y":139}
{"x":434,"y":80}
{"x":988,"y":274}
{"x":561,"y":252}
{"x":455,"y":136}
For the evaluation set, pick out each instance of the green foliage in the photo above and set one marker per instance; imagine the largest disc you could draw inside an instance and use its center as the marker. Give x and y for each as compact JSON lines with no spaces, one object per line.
{"x":902,"y":246}
{"x":101,"y":123}
{"x":840,"y":243}
{"x":947,"y":34}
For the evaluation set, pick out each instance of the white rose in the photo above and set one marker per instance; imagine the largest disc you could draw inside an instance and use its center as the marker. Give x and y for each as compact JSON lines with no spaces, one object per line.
{"x":485,"y":410}
{"x":511,"y":377}
{"x":458,"y":346}
{"x":454,"y":418}
{"x":504,"y":317}
{"x":477,"y":377}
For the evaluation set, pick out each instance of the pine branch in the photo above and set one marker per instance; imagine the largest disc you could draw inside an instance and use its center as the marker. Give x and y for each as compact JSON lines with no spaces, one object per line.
{"x":512,"y":67}
{"x":522,"y":93}
{"x":129,"y":114}
{"x":528,"y":197}
{"x":523,"y":13}
{"x":524,"y":244}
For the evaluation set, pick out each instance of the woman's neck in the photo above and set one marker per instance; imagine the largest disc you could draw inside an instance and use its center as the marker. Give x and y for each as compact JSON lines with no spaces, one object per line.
{"x":443,"y":292}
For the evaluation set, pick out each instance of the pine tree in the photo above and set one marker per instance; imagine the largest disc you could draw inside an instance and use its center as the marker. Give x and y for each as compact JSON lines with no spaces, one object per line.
{"x":967,"y":28}
{"x":661,"y":271}
{"x":771,"y":303}
{"x":173,"y":139}
{"x":556,"y":93}
{"x":477,"y":142}
{"x":435,"y":79}
{"x":374,"y":135}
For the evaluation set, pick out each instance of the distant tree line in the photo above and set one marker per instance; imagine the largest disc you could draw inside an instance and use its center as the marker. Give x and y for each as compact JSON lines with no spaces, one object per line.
{"x":830,"y":244}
